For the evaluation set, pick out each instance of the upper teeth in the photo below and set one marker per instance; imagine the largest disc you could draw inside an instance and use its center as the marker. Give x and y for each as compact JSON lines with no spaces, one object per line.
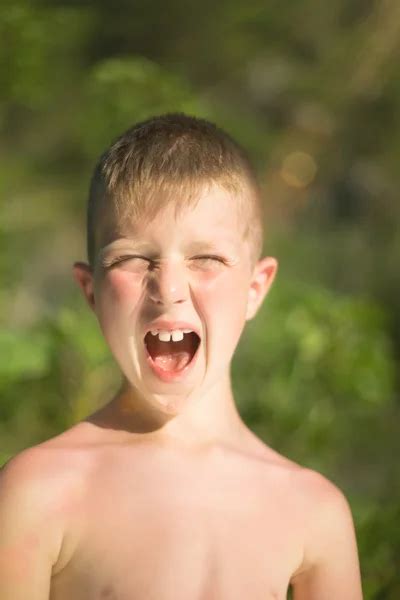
{"x":165,"y":336}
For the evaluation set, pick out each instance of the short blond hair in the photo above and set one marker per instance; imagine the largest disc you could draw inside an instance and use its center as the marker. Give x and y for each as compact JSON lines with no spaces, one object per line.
{"x":170,"y":158}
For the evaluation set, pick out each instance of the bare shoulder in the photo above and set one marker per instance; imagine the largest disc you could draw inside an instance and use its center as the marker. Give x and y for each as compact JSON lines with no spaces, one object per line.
{"x":39,"y":481}
{"x":317,"y":491}
{"x":34,"y":482}
{"x":322,"y":528}
{"x":325,"y":509}
{"x":26,"y":477}
{"x":47,"y":467}
{"x":30,"y":530}
{"x":330,"y":565}
{"x":38,"y":487}
{"x":319,"y":501}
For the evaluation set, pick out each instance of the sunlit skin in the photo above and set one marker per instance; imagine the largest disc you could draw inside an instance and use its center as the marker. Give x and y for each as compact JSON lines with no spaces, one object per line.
{"x":164,"y":493}
{"x":196,"y":269}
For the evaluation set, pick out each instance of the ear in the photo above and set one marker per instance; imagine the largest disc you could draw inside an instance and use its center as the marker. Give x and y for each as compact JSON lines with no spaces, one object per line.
{"x":84,"y":277}
{"x":263,"y":275}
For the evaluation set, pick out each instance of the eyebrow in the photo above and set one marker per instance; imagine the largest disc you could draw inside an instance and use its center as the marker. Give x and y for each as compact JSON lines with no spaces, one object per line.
{"x":125,"y":243}
{"x":145,"y":247}
{"x":200,"y":245}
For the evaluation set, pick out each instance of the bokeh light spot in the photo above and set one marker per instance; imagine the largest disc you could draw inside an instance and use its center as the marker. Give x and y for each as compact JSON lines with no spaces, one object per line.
{"x":298,"y":169}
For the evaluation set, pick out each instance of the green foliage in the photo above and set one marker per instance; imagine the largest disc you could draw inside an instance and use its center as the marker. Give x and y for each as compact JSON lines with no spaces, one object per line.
{"x":27,"y":355}
{"x":33,"y":50}
{"x":377,"y":521}
{"x":53,"y":377}
{"x":121,"y":91}
{"x":310,"y":366}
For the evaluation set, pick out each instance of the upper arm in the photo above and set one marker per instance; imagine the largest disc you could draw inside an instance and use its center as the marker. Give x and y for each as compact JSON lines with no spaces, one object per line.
{"x":28,"y":537}
{"x":330,"y":567}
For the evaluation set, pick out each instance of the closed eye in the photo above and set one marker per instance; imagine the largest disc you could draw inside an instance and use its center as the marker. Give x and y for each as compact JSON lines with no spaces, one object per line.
{"x":136,"y":260}
{"x":112,"y":262}
{"x":209,"y":259}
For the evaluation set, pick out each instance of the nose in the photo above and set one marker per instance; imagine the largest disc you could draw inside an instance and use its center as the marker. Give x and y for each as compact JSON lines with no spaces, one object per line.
{"x":167,"y":284}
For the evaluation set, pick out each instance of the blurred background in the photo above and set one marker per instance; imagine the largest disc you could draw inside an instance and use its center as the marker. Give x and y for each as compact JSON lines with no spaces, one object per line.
{"x":312,"y":91}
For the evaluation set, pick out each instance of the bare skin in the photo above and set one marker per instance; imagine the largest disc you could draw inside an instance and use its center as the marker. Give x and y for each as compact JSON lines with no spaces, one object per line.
{"x":178,"y":522}
{"x":128,"y":517}
{"x":165,"y":494}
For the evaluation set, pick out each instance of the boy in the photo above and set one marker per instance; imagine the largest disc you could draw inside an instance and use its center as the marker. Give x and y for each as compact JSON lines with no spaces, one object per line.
{"x":164,"y":493}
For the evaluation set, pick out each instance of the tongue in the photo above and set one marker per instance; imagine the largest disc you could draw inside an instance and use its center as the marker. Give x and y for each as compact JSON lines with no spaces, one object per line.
{"x":172,"y":362}
{"x":170,"y":356}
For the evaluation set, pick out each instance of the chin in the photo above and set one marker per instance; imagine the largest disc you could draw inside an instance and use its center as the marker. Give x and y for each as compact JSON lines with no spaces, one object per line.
{"x":170,"y":404}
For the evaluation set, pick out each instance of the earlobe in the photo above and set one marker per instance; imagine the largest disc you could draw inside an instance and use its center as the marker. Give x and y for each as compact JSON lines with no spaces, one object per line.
{"x":263,"y":276}
{"x":84,"y":277}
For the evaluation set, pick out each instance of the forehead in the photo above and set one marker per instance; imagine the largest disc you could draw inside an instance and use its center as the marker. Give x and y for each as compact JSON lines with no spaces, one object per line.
{"x":213,"y":214}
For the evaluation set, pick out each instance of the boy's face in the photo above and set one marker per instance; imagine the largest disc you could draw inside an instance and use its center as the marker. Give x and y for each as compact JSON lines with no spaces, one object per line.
{"x":194,"y":269}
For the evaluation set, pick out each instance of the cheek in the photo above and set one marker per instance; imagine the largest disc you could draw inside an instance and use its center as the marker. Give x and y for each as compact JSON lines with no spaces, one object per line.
{"x":226,"y":293}
{"x":224,"y":301}
{"x":118,"y":288}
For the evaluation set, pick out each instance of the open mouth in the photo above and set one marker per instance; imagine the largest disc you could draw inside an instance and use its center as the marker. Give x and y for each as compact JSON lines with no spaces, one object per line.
{"x":172,"y":356}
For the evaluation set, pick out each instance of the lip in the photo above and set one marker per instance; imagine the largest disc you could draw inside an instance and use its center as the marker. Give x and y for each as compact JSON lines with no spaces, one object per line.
{"x":164,"y":325}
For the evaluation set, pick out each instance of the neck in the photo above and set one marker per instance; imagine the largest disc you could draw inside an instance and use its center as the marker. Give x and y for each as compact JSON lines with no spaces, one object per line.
{"x":206,"y":420}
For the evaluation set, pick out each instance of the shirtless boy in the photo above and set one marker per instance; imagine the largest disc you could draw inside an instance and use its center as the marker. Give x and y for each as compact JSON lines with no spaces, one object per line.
{"x":164,"y":493}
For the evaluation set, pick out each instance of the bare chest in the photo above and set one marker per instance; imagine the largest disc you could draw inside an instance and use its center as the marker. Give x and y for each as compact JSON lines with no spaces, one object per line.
{"x":166,"y":532}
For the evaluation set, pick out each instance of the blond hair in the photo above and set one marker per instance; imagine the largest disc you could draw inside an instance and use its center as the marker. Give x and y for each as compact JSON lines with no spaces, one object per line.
{"x":170,"y":158}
